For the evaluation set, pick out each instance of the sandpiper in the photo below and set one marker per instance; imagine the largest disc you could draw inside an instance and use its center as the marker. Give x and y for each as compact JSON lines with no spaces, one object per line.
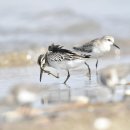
{"x":60,"y":58}
{"x":97,"y":47}
{"x":114,"y":75}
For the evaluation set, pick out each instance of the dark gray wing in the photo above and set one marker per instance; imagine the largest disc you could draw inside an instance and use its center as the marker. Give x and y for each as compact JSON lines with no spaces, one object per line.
{"x":70,"y":57}
{"x":74,"y":56}
{"x":65,"y":56}
{"x":87,"y":47}
{"x":55,"y":56}
{"x":58,"y":57}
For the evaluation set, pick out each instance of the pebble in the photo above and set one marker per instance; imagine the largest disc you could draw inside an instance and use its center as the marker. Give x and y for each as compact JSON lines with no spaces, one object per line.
{"x":102,"y":123}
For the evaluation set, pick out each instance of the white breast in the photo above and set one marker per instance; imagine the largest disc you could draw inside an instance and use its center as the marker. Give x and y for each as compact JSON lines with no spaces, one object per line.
{"x":105,"y":47}
{"x":66,"y":64}
{"x":101,"y":49}
{"x":74,"y":63}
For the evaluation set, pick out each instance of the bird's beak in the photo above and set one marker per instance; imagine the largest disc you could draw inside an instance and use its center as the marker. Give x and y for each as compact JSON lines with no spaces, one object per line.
{"x":116,"y":46}
{"x":41,"y":71}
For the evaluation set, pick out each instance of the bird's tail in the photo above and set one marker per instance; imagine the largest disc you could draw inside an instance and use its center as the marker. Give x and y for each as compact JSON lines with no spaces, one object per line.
{"x":83,"y":55}
{"x":77,"y":48}
{"x":87,"y":56}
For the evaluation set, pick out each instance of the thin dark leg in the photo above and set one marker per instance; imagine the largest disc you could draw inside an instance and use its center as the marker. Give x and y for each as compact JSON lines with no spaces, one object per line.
{"x":41,"y":71}
{"x":89,"y":70}
{"x":67,"y":77}
{"x":96,"y":67}
{"x":49,"y":73}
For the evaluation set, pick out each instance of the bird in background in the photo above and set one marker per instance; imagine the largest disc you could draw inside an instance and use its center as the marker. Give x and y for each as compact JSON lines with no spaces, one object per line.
{"x":114,"y":75}
{"x":97,"y":47}
{"x":59,"y":58}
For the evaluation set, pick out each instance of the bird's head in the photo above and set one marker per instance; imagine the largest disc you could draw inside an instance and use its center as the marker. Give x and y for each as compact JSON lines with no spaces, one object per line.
{"x":110,"y":40}
{"x":41,"y":62}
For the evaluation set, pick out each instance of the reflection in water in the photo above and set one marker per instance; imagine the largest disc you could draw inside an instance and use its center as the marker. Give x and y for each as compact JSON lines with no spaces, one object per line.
{"x":40,"y":96}
{"x":62,"y":93}
{"x":95,"y":93}
{"x":59,"y":95}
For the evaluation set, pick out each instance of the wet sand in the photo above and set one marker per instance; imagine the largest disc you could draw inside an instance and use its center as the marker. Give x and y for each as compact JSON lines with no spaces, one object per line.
{"x":73,"y":116}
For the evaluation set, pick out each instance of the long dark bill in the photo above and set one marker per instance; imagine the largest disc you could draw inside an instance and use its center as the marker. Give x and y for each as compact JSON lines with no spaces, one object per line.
{"x":41,"y":71}
{"x":116,"y":46}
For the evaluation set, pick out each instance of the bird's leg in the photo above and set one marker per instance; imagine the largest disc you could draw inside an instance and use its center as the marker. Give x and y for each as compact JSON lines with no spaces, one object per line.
{"x":89,"y":70}
{"x":96,"y":67}
{"x":49,"y":73}
{"x":67,"y":77}
{"x":41,"y":71}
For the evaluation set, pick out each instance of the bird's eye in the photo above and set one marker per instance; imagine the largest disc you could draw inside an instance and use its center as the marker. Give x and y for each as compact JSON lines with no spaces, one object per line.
{"x":109,"y":40}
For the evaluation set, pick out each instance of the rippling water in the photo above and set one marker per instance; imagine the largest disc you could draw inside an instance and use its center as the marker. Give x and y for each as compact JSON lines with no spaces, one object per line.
{"x":29,"y":23}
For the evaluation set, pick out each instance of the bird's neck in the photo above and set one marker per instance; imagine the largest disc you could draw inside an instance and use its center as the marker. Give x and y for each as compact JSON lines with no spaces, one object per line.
{"x":105,"y":47}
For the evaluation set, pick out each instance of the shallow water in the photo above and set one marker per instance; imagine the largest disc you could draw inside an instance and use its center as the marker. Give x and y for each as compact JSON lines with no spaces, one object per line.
{"x":77,"y":86}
